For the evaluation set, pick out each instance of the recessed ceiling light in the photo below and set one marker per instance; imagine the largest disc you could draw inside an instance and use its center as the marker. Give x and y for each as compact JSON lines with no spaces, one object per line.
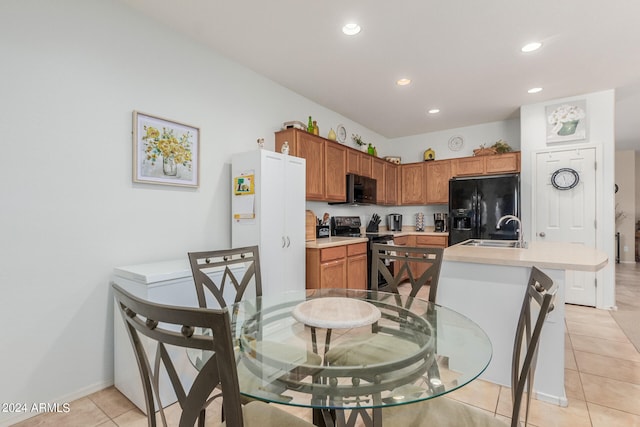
{"x":434,"y":111}
{"x":535,"y":90}
{"x":403,"y":82}
{"x":530,"y":47}
{"x":351,"y":29}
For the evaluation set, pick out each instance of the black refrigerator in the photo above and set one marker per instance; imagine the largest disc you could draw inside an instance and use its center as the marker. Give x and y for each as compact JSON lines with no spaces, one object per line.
{"x":477,"y":203}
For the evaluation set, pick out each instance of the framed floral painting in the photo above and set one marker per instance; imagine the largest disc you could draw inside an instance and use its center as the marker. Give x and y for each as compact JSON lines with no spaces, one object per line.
{"x":165,"y":151}
{"x":566,"y":121}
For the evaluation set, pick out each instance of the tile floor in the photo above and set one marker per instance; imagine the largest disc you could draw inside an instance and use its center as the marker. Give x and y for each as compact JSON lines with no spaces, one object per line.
{"x":602,"y":375}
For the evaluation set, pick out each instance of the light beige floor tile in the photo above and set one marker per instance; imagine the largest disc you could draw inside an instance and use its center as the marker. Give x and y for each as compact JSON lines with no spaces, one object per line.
{"x":108,"y":424}
{"x":589,"y":315}
{"x":83,"y":413}
{"x":611,"y":393}
{"x":132,"y":418}
{"x":112,"y":402}
{"x":615,"y":349}
{"x":602,"y":416}
{"x":478,"y":393}
{"x":570,"y":359}
{"x":573,"y":385}
{"x":545,"y":414}
{"x":607,"y":332}
{"x":613,"y":368}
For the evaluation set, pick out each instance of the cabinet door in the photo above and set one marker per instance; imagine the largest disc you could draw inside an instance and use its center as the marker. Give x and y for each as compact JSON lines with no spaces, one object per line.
{"x":311,"y":148}
{"x":468,"y":166}
{"x":293,"y":216}
{"x":357,"y":272}
{"x":501,"y":163}
{"x":353,"y":161}
{"x":366,"y":161}
{"x":431,"y":241}
{"x":333,"y":274}
{"x":412,"y":184}
{"x":377,"y":172}
{"x":391,"y":183}
{"x":438,"y":176}
{"x":335,"y":172}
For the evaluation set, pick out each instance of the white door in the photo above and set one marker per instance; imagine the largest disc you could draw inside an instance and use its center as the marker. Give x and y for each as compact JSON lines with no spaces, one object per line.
{"x":294,"y":224}
{"x":568,"y":215}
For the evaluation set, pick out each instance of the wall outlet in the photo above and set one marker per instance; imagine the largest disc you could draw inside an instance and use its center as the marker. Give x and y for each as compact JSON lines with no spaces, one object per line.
{"x":626,"y":248}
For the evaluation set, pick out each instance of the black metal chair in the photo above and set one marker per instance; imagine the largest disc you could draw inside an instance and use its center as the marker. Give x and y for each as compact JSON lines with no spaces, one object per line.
{"x":182,"y":327}
{"x":429,"y":259}
{"x":203,"y":264}
{"x":540,"y":295}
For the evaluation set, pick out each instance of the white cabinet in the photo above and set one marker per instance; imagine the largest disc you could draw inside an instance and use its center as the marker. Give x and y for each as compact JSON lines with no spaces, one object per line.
{"x":278,"y":225}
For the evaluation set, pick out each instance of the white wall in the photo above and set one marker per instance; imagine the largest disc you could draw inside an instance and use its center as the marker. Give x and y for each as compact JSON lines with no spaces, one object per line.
{"x":411,"y":148}
{"x":626,"y":203}
{"x":72,"y":73}
{"x":600,"y":110}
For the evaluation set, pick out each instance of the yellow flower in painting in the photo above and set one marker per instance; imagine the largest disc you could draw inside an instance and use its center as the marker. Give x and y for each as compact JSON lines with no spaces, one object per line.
{"x":167,"y":145}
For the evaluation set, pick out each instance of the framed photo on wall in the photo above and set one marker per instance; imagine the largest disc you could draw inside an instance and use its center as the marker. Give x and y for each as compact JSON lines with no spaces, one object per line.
{"x":566,"y":121}
{"x":165,"y":151}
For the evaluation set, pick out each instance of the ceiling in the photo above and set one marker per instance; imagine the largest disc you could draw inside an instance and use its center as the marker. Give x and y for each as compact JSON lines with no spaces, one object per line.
{"x":463,"y":56}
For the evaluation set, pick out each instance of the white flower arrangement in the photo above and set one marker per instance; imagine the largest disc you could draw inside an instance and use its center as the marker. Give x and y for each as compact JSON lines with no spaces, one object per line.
{"x":563,"y":114}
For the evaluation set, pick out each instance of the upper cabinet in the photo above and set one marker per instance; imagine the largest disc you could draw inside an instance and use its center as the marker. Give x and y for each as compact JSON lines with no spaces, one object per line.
{"x":412,"y":184}
{"x":391,"y":183}
{"x":438,"y":173}
{"x":486,"y":165}
{"x":326,"y":164}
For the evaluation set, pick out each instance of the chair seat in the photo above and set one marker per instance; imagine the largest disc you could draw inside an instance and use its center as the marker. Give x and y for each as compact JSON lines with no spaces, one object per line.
{"x":260,"y":414}
{"x":370,"y":350}
{"x":441,"y":412}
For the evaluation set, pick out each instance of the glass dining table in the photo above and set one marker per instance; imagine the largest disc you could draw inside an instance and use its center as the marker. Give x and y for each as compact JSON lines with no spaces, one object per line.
{"x":333,"y":350}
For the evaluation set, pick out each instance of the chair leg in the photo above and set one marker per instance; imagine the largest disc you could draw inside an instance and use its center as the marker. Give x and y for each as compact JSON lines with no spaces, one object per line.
{"x":201,"y":418}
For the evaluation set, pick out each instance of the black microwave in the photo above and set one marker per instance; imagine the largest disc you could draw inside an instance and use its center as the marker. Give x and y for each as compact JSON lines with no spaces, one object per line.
{"x":360,"y":190}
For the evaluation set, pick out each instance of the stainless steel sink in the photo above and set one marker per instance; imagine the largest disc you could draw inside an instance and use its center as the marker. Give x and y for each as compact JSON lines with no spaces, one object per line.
{"x":492,"y":243}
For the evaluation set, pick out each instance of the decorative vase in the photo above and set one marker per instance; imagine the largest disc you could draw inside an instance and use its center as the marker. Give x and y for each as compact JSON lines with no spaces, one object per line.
{"x":169,"y":166}
{"x":332,"y":135}
{"x":568,"y":128}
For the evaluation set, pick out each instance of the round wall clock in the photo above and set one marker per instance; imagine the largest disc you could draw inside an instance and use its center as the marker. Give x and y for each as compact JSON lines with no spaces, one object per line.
{"x":341,"y":134}
{"x":565,"y":178}
{"x":455,"y":143}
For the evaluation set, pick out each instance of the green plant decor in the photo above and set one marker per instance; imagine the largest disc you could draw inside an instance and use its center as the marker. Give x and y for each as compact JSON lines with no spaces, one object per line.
{"x":502,"y":146}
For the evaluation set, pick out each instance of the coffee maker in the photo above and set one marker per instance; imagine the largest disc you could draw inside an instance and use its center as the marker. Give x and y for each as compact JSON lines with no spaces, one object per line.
{"x":394,"y":222}
{"x":440,"y":221}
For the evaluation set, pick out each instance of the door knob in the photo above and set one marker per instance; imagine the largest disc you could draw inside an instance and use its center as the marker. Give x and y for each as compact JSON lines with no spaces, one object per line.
{"x":541,"y":234}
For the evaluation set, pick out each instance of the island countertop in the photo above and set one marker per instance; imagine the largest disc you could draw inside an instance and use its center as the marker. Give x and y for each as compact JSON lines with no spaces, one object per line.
{"x":555,"y":255}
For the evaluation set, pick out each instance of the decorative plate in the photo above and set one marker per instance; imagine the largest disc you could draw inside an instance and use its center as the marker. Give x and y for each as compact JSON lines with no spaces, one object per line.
{"x":455,"y":143}
{"x":341,"y":134}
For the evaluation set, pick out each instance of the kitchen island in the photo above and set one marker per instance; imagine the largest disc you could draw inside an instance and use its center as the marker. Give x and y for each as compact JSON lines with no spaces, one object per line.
{"x":487,"y":285}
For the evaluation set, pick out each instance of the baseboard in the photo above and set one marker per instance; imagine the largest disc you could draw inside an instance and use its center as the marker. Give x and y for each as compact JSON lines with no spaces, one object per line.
{"x":83,"y":392}
{"x":556,"y":400}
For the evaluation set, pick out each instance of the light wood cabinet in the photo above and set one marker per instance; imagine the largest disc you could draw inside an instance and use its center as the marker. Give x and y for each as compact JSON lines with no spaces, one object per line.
{"x":326,"y":163}
{"x":391,"y":189}
{"x":335,"y":172}
{"x":366,"y":164}
{"x":501,"y":163}
{"x":377,"y":172}
{"x":337,"y":267}
{"x":438,"y":173}
{"x":412,"y":184}
{"x":468,"y":166}
{"x":486,"y":165}
{"x":430,"y":241}
{"x":353,"y":162}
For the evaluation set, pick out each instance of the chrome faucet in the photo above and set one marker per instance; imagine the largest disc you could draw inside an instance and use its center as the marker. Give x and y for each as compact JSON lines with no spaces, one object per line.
{"x":507,"y":219}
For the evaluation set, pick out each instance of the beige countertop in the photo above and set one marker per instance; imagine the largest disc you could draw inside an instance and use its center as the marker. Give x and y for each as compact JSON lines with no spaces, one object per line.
{"x":327,"y":242}
{"x":554,"y":255}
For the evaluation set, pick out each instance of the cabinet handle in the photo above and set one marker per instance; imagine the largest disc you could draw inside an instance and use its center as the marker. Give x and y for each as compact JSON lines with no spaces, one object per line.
{"x":542,"y":234}
{"x":288,"y":241}
{"x":283,"y":242}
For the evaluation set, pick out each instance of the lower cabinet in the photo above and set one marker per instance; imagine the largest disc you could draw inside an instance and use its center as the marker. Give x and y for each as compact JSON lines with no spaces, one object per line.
{"x":428,"y":241}
{"x":337,"y":267}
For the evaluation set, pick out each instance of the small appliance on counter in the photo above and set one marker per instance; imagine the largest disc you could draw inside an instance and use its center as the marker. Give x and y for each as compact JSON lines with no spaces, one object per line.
{"x":440,"y":222}
{"x":419,"y":221}
{"x":394,"y":222}
{"x":372,"y":227}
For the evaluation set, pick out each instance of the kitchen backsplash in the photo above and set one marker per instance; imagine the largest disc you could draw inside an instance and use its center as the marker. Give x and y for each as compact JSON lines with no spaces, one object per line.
{"x":365,"y":212}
